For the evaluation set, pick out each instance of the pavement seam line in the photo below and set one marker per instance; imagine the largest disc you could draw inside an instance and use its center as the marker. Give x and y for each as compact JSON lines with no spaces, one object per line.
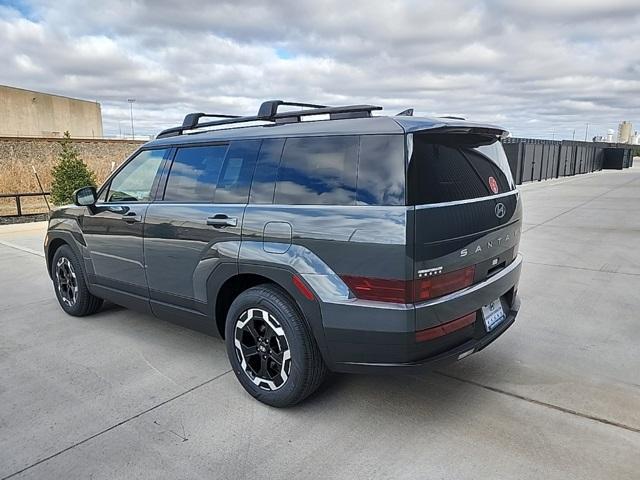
{"x":576,"y":413}
{"x":579,"y":205}
{"x":581,"y":268}
{"x":112,"y":427}
{"x":23,"y":249}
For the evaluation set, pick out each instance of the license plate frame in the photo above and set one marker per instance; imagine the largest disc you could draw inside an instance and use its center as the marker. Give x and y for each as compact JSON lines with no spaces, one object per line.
{"x":493,"y":314}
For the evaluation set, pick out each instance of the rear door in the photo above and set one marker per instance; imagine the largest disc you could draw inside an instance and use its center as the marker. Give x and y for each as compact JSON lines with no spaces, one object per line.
{"x":467,"y":211}
{"x":194,"y":226}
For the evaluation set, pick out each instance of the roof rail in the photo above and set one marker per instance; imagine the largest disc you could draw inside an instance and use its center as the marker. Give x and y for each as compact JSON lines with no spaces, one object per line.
{"x":269,"y":112}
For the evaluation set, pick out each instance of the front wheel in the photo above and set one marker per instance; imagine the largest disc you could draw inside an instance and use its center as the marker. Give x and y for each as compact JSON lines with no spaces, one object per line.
{"x":70,"y":284}
{"x":271,"y":349}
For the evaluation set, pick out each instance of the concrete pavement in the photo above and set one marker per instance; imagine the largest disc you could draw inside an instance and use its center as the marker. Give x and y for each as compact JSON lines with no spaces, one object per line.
{"x":123,"y":395}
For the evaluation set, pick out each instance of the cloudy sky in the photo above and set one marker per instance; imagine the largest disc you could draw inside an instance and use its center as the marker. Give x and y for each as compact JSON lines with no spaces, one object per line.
{"x":540,"y":68}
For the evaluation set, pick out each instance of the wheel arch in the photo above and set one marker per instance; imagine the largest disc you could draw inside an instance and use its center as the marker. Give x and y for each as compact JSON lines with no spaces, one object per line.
{"x":251,"y":275}
{"x":55,"y":240}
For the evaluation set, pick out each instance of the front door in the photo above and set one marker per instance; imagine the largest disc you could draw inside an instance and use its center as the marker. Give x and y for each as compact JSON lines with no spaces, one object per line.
{"x":194,"y":227}
{"x":113,"y":230}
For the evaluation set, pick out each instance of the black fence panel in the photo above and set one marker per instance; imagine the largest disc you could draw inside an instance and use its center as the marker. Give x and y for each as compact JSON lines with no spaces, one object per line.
{"x":533,"y":159}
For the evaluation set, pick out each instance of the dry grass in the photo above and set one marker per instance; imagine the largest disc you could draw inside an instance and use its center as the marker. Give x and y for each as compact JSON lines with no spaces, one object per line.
{"x":28,"y":205}
{"x":18,"y":177}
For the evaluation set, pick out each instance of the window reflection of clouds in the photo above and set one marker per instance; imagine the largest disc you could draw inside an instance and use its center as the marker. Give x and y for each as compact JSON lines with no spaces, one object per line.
{"x":318,"y":170}
{"x":381,"y":170}
{"x":194,"y":174}
{"x":264,"y":178}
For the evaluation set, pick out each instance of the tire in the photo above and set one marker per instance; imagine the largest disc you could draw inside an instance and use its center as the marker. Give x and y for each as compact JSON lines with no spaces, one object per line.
{"x":302,"y":369}
{"x":70,"y":284}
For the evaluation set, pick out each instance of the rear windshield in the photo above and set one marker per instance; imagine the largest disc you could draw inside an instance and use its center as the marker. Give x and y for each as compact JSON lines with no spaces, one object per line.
{"x":449,"y":167}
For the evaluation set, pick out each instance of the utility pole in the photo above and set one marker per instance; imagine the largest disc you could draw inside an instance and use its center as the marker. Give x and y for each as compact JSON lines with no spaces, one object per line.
{"x":586,"y":132}
{"x":133,"y":132}
{"x":574,"y":134}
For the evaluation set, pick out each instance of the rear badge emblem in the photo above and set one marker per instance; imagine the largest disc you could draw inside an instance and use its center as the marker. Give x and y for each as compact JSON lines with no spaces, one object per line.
{"x":493,"y":185}
{"x":500,"y":210}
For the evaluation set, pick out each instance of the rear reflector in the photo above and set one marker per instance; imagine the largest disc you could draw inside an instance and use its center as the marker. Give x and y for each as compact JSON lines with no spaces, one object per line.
{"x":302,"y":288}
{"x":445,"y":328}
{"x":400,"y":291}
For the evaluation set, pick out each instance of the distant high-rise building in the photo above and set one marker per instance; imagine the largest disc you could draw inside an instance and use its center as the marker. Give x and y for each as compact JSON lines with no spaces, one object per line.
{"x":625,"y":132}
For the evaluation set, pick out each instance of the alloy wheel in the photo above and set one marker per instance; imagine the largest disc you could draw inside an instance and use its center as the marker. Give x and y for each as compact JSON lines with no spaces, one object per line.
{"x":262,"y":349}
{"x":67,"y":281}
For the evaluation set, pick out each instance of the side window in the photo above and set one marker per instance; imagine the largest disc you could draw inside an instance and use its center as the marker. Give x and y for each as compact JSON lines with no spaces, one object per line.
{"x":103,"y":195}
{"x":237,"y":172}
{"x":381,"y":170}
{"x":135,"y":181}
{"x":318,"y":171}
{"x":264,"y":178}
{"x":194,"y":174}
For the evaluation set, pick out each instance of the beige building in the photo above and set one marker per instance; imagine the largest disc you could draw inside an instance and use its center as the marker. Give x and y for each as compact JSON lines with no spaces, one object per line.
{"x":26,"y":113}
{"x":625,"y":132}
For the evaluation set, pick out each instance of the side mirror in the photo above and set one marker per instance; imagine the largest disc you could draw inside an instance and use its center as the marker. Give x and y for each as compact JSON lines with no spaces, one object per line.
{"x":85,"y":196}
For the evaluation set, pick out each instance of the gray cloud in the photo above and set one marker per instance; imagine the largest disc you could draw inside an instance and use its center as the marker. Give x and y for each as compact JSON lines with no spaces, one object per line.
{"x":534,"y":67}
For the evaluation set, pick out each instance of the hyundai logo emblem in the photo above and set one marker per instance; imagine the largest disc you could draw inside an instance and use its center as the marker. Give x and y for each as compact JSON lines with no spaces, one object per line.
{"x":501,"y":210}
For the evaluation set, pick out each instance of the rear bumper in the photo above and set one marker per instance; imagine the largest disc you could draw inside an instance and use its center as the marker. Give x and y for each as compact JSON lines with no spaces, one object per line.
{"x":448,"y":356}
{"x":374,"y":337}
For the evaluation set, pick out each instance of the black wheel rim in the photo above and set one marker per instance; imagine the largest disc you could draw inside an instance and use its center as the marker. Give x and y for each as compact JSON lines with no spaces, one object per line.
{"x":262,"y":349}
{"x":67,"y":282}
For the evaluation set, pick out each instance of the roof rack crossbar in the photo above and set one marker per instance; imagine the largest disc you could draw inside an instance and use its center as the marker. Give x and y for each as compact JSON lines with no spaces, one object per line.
{"x":269,"y":112}
{"x":191,"y":119}
{"x":269,"y":108}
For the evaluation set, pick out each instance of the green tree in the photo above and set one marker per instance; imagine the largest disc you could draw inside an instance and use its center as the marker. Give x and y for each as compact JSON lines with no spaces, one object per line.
{"x":69,"y":173}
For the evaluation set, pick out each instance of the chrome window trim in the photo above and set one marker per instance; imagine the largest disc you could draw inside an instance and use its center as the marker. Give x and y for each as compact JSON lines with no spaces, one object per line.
{"x":467,"y":200}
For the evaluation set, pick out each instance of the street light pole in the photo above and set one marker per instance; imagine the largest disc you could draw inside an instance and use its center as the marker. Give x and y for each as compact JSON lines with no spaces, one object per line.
{"x":133,"y":132}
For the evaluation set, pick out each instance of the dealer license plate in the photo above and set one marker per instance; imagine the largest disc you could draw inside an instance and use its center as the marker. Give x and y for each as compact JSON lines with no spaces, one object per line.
{"x":493,"y":315}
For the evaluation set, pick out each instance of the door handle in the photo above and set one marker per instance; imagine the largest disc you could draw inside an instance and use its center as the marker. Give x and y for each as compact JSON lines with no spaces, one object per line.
{"x":221,"y":220}
{"x":131,"y":217}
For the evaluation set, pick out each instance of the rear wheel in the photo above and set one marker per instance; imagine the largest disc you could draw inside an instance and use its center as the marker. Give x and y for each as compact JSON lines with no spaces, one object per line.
{"x":70,"y":284}
{"x":271,"y":349}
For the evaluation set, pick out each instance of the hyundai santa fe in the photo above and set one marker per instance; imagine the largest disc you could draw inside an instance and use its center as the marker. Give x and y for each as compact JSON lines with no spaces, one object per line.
{"x":310,"y":238}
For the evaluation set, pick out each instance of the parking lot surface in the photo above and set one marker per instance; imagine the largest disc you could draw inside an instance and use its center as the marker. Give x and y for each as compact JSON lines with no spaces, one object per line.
{"x":124,"y":395}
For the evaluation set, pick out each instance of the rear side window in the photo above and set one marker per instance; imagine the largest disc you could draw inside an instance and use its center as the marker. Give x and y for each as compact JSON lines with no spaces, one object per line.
{"x":194,"y":174}
{"x":266,"y":172}
{"x":381,"y":170}
{"x":318,"y":171}
{"x":237,"y":172}
{"x":451,"y":167}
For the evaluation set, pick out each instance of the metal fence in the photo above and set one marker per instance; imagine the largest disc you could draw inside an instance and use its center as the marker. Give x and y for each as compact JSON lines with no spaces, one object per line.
{"x":18,"y":210}
{"x":532,"y":159}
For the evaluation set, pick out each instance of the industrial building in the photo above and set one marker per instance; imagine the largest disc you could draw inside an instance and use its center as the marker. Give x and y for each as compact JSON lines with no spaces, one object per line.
{"x":25,"y":113}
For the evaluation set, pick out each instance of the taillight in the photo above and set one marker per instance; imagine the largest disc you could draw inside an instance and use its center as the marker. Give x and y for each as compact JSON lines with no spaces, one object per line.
{"x":401,"y":291}
{"x":445,"y":328}
{"x":379,"y":289}
{"x":439,"y":285}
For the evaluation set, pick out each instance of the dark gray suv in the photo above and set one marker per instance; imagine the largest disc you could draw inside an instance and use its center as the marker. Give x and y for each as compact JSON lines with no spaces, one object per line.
{"x":347,"y":243}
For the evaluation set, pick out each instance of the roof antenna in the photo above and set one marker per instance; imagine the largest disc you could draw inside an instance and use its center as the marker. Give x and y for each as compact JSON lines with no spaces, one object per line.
{"x":405,"y":113}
